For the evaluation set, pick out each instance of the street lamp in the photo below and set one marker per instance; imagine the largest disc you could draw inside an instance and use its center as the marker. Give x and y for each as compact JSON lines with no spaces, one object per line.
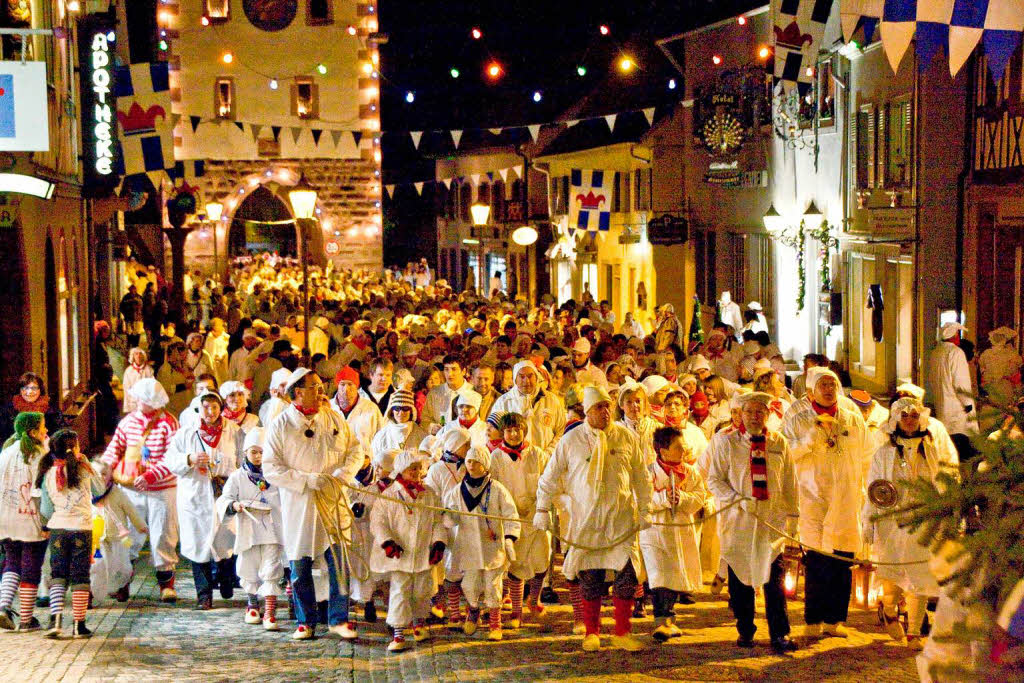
{"x":214,"y":210}
{"x":524,"y":236}
{"x":773,"y":221}
{"x":302,"y":197}
{"x":480,"y":212}
{"x":813,"y":214}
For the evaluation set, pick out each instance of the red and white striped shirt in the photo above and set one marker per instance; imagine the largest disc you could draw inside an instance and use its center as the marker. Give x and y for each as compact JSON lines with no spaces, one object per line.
{"x":129,"y":432}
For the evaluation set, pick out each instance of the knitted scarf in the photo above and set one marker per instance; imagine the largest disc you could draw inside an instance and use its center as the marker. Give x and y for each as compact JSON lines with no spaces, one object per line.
{"x":41,"y":404}
{"x":759,"y":467}
{"x":449,"y":457}
{"x":255,"y":474}
{"x":513,"y":452}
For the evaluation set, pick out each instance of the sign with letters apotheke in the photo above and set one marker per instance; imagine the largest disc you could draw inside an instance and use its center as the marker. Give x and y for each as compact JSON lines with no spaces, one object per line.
{"x":100,"y":147}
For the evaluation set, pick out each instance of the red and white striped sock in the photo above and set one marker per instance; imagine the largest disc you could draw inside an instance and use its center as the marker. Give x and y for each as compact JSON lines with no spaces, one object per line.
{"x":270,"y":608}
{"x":535,"y":587}
{"x":27,"y":593}
{"x":454,"y":592}
{"x":399,"y":632}
{"x":576,"y":596}
{"x":288,"y":589}
{"x":8,"y":587}
{"x":494,"y":622}
{"x":639,"y":593}
{"x":79,"y":604}
{"x":57,"y":591}
{"x":515,"y":591}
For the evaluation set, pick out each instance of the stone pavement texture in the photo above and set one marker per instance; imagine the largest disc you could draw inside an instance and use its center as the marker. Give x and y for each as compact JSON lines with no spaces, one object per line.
{"x":144,"y":640}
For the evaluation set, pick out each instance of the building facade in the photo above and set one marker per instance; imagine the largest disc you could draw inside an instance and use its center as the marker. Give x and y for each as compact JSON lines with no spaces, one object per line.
{"x":258,"y":129}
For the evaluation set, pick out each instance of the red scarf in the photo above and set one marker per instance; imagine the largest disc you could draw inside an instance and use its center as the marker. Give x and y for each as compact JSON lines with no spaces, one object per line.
{"x":360,"y":343}
{"x":466,"y":424}
{"x":41,"y":405}
{"x":513,"y":452}
{"x":210,"y":434}
{"x":713,"y":355}
{"x":678,"y":469}
{"x":138,"y":368}
{"x":821,"y":410}
{"x":233,"y":415}
{"x":411,"y":487}
{"x":776,"y":407}
{"x":304,"y":411}
{"x":493,"y":444}
{"x":673,"y":422}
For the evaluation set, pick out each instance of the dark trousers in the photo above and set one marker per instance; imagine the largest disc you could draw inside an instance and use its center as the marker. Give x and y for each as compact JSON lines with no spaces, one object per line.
{"x":594,"y":583}
{"x":664,"y":601}
{"x":307,"y":611}
{"x":202,"y":575}
{"x":827,"y":588}
{"x":71,"y":557}
{"x":741,"y":601}
{"x":25,"y":558}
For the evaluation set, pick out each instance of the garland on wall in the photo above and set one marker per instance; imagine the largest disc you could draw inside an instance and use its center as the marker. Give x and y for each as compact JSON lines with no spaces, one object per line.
{"x":796,"y":238}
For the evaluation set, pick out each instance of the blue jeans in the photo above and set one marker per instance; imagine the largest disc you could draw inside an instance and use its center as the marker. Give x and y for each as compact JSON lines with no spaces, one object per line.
{"x":305,"y":596}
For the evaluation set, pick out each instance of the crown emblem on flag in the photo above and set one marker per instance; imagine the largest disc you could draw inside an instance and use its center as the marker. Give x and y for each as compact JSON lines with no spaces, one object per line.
{"x":186,"y":188}
{"x":791,"y":37}
{"x":139,"y":121}
{"x":590,"y":201}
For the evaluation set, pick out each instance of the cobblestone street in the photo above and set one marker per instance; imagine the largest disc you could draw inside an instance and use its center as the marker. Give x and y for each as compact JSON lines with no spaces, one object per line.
{"x":148,"y":641}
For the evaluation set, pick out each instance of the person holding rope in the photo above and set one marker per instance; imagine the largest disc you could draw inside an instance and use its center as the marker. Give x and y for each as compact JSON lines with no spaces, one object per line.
{"x":831,"y":450}
{"x":750,"y":471}
{"x":600,"y":466}
{"x":305,"y":444}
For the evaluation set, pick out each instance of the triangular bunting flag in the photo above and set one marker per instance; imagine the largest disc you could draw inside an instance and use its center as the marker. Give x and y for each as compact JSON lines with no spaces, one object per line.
{"x":649,"y":115}
{"x":519,"y":170}
{"x":416,"y":135}
{"x":447,"y":183}
{"x":357,"y":135}
{"x":495,"y":131}
{"x":174,"y":120}
{"x":254,"y":130}
{"x":239,"y":125}
{"x":475,"y":177}
{"x":390,"y":189}
{"x":296,"y":134}
{"x":336,"y":136}
{"x":611,"y":121}
{"x":503,"y":172}
{"x":456,"y":136}
{"x":157,"y":178}
{"x":419,"y":188}
{"x":194,"y":120}
{"x":276,"y":130}
{"x":490,"y":176}
{"x":317,"y":132}
{"x":534,"y":130}
{"x":571,"y":122}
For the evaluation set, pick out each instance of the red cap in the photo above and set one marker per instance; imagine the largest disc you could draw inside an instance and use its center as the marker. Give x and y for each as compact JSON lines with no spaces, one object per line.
{"x":347,"y":374}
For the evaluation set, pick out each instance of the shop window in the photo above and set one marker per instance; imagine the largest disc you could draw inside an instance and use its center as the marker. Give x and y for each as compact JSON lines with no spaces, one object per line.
{"x":498,"y":201}
{"x":483,"y":196}
{"x":465,"y":200}
{"x":866,"y":146}
{"x":217,"y":10}
{"x":224,"y":98}
{"x":625,"y":185}
{"x":642,"y":189}
{"x":305,"y":98}
{"x":826,"y":92}
{"x":616,"y":196}
{"x":898,"y":143}
{"x":862,"y":274}
{"x":319,"y":12}
{"x":704,"y":256}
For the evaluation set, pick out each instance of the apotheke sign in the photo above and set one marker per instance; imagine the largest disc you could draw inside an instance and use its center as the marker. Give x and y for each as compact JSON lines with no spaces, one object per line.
{"x":99,"y":110}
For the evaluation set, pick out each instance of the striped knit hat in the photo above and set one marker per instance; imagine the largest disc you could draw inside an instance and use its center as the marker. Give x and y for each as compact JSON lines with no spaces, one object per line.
{"x":402,"y":399}
{"x":494,"y":419}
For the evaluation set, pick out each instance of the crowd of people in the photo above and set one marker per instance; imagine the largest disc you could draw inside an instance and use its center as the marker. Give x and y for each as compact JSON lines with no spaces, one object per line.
{"x":473,"y":440}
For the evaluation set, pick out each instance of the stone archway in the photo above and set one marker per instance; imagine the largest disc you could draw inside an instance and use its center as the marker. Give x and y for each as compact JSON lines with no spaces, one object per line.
{"x":258,"y":224}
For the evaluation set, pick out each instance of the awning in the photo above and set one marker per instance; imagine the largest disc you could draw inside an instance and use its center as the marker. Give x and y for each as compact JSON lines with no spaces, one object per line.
{"x":954,"y":25}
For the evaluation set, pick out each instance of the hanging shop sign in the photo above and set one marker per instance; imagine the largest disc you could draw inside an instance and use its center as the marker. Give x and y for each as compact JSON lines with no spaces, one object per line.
{"x":733,"y":178}
{"x":24,"y":123}
{"x":99,"y":107}
{"x":332,"y":247}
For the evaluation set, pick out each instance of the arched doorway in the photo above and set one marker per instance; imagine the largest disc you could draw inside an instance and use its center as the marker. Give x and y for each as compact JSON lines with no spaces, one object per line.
{"x":256,"y":225}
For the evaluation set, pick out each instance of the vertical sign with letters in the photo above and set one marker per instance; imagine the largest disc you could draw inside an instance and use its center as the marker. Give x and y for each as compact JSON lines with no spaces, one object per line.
{"x":100,"y":148}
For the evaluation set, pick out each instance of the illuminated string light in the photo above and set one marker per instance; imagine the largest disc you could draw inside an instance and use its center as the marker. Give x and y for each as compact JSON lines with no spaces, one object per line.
{"x":537,"y":96}
{"x":367,"y":68}
{"x":741,"y":20}
{"x":227,"y":58}
{"x":494,"y":70}
{"x":604,"y":30}
{"x":454,"y":72}
{"x":626,"y":64}
{"x":351,"y":30}
{"x":671,"y":84}
{"x":410,"y":97}
{"x":716,"y":59}
{"x":273,"y":84}
{"x":581,"y":70}
{"x":809,"y":71}
{"x":205,"y":21}
{"x":476,"y":33}
{"x":163,"y":45}
{"x":321,"y":69}
{"x":764,"y":52}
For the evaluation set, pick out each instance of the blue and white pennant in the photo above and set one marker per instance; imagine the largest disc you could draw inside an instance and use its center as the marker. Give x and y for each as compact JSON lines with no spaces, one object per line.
{"x":590,"y":200}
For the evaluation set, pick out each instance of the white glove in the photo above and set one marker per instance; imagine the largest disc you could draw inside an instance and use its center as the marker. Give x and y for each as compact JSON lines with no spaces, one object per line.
{"x":510,"y":550}
{"x":542,"y":520}
{"x":313,"y":482}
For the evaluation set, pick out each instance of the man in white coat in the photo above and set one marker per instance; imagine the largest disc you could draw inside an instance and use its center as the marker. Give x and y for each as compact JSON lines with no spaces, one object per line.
{"x":832,"y":451}
{"x":754,"y":465}
{"x":543,"y":410}
{"x":440,"y":408}
{"x":600,"y":467}
{"x":361,"y":413}
{"x":305,"y":444}
{"x":951,"y":388}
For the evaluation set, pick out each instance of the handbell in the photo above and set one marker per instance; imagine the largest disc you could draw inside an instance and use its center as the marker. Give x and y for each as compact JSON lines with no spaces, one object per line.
{"x":883,"y":494}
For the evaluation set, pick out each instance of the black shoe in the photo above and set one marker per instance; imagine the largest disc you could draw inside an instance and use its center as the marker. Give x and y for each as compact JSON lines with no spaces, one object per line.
{"x":53,"y":629}
{"x":43,"y":600}
{"x":745,"y":641}
{"x":783,"y":645}
{"x":370,"y":612}
{"x":80,"y":631}
{"x":638,"y":609}
{"x":32,"y":625}
{"x":203,"y":604}
{"x":685,"y":599}
{"x":7,"y":619}
{"x":227,"y":591}
{"x":548,"y":596}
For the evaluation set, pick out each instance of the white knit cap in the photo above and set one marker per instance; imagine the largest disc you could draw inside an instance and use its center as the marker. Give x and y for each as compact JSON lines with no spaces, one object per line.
{"x":592,"y":395}
{"x":150,"y":392}
{"x":279,"y":377}
{"x":454,"y":439}
{"x":815,"y":374}
{"x":520,"y":366}
{"x":949,"y":330}
{"x":406,"y":459}
{"x":469,"y":398}
{"x":654,"y":384}
{"x":384,"y":458}
{"x":481,"y":455}
{"x":253,"y":438}
{"x":231,"y":387}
